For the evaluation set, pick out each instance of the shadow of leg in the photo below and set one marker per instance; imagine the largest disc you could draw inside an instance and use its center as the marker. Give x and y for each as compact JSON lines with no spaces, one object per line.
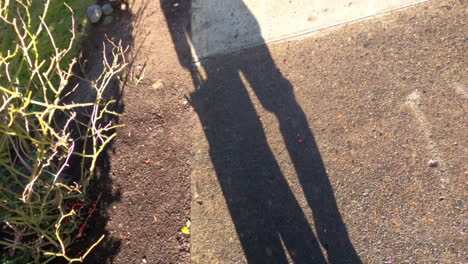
{"x":266,"y":215}
{"x":276,"y":95}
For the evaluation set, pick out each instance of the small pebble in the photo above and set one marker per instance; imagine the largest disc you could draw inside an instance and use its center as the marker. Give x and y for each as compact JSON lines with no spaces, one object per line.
{"x":107,"y":9}
{"x":176,"y":5}
{"x":143,"y":260}
{"x":94,"y":13}
{"x":157,"y":84}
{"x":432,"y":163}
{"x":108,"y":20}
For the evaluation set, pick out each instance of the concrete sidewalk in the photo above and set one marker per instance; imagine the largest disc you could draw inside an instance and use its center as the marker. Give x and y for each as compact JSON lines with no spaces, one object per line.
{"x":220,"y":27}
{"x":360,"y":130}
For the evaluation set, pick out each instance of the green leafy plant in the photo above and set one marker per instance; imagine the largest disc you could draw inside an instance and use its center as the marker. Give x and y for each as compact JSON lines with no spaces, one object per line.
{"x":40,"y":208}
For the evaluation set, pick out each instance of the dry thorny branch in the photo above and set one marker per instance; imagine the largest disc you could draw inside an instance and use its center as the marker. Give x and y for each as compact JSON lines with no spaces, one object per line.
{"x":36,"y":146}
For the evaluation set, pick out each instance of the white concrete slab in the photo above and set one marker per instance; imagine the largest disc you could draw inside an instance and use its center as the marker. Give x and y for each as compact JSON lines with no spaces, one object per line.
{"x":222,"y":26}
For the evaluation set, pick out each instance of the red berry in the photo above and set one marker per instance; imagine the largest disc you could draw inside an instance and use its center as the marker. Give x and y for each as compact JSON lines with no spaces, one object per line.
{"x":300,"y":140}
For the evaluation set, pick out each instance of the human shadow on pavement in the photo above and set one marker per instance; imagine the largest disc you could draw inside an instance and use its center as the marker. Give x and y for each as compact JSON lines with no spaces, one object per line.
{"x":268,"y":219}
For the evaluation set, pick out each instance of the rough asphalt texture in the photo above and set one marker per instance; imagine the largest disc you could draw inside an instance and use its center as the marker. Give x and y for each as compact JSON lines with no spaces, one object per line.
{"x":360,"y":128}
